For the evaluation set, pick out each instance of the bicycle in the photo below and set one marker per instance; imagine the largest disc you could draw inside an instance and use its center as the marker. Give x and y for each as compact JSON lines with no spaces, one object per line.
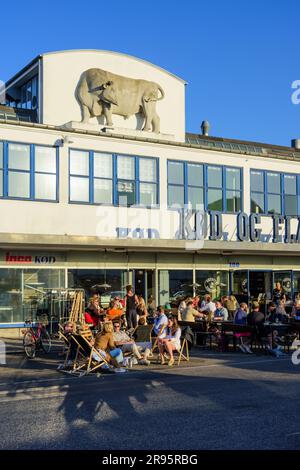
{"x":35,"y":339}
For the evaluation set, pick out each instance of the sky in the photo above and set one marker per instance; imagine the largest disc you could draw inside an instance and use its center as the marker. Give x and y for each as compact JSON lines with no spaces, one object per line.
{"x":239,"y":58}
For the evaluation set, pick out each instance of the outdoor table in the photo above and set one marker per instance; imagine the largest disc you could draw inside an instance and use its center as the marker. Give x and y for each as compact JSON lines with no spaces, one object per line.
{"x":282,"y":328}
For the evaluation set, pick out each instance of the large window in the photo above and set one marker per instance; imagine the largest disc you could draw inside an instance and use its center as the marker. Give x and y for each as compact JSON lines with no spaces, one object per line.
{"x":274,"y":193}
{"x":24,"y":293}
{"x":174,"y":284}
{"x":214,"y":283}
{"x":102,"y":178}
{"x":217,"y":187}
{"x":109,"y":283}
{"x":28,"y":171}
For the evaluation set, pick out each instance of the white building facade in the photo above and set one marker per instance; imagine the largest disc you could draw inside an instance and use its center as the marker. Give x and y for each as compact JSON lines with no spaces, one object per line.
{"x":87,"y":203}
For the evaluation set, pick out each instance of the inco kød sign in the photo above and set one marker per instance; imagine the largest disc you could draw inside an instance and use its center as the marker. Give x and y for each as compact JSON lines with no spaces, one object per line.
{"x":21,"y":258}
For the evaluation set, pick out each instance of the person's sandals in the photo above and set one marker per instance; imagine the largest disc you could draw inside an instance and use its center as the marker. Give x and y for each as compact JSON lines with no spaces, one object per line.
{"x":171,"y":362}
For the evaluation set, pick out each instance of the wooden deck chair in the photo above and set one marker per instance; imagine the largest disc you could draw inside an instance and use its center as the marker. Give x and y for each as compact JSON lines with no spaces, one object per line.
{"x":67,"y":345}
{"x":155,"y":338}
{"x":93,"y":359}
{"x":183,"y":353}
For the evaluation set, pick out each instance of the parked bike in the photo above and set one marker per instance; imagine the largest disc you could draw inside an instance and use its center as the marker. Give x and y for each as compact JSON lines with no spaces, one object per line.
{"x":35,"y":339}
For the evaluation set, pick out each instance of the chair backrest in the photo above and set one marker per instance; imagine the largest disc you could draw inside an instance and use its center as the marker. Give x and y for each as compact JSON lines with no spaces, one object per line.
{"x":142,"y":332}
{"x":83,"y":343}
{"x":187,"y":333}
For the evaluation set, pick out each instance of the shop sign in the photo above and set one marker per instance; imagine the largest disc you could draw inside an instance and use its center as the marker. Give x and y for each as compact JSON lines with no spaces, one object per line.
{"x":247,"y":228}
{"x":21,"y":258}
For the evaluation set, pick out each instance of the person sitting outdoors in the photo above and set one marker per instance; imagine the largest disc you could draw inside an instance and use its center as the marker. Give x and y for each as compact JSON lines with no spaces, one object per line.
{"x":208,"y":305}
{"x":190,"y":313}
{"x":142,"y":337}
{"x":182,"y":306}
{"x":123,"y":341}
{"x":256,"y":319}
{"x":94,"y":311}
{"x":221,"y":313}
{"x":115,"y":310}
{"x":240,"y":318}
{"x":196,"y":302}
{"x":296,"y":310}
{"x":276,"y":315}
{"x":160,"y":322}
{"x":171,"y":341}
{"x":105,"y":345}
{"x":280,"y":309}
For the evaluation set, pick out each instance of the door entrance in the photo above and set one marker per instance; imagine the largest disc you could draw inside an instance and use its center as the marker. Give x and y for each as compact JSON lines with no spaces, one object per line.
{"x":260,"y":285}
{"x":248,"y":286}
{"x":144,"y":283}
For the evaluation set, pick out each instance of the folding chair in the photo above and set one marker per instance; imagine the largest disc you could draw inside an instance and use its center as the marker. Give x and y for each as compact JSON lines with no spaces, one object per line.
{"x":183,"y":353}
{"x":92,"y":358}
{"x":156,"y":338}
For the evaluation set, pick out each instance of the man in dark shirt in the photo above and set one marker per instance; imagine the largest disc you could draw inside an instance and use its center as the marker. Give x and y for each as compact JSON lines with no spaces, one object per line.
{"x":275,"y":316}
{"x":256,"y":318}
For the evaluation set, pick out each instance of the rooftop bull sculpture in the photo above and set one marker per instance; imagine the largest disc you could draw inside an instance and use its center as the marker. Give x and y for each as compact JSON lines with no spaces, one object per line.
{"x":100,"y":92}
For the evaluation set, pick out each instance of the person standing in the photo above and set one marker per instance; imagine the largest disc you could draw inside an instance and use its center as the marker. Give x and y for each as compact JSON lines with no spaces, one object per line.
{"x":232,"y":305}
{"x":278,"y":293}
{"x":131,"y":303}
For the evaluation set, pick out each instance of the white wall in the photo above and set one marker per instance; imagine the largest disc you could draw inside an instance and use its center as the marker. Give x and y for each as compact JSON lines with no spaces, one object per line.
{"x":87,"y":220}
{"x":61,"y":73}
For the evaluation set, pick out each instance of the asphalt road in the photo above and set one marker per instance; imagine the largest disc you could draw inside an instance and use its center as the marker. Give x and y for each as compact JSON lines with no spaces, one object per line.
{"x":228,"y":401}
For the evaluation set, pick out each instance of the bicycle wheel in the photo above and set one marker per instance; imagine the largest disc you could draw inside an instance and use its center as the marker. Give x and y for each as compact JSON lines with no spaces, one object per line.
{"x":29,"y":345}
{"x":45,"y":341}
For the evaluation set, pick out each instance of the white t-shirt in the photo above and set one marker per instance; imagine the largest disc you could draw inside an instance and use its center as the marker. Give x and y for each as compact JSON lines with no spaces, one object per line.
{"x":208,"y":307}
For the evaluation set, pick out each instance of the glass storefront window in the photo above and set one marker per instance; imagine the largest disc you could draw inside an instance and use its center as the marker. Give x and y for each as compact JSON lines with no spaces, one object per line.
{"x":285,"y":279}
{"x":174,"y":284}
{"x":296,"y":279}
{"x":95,"y":280}
{"x":240,"y":286}
{"x":214,"y":283}
{"x":23,"y":292}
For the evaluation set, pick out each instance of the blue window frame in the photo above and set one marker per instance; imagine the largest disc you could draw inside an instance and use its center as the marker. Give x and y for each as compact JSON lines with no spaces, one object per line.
{"x":28,"y":171}
{"x":111,"y":179}
{"x":274,"y":193}
{"x":216,"y":187}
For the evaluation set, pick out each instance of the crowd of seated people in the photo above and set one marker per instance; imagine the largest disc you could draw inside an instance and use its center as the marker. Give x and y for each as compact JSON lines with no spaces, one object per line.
{"x":121,"y":332}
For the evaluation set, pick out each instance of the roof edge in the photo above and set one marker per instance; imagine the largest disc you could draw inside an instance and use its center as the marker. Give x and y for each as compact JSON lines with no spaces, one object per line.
{"x":67,"y":51}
